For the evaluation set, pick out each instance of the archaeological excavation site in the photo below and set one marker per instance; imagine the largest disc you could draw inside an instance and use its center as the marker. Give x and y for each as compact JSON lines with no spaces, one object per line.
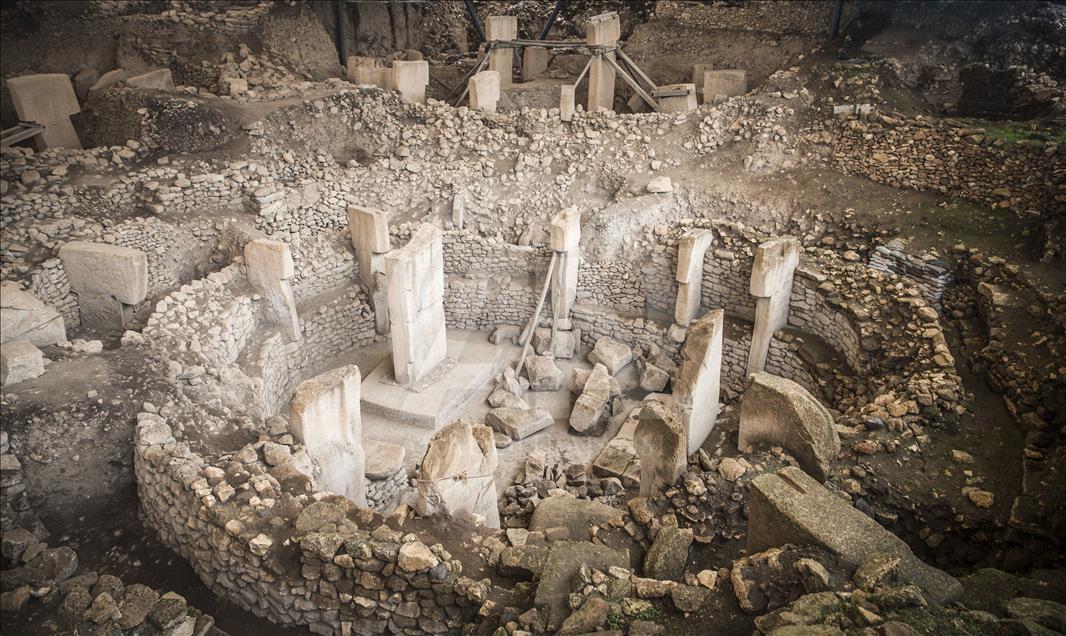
{"x":524,"y":317}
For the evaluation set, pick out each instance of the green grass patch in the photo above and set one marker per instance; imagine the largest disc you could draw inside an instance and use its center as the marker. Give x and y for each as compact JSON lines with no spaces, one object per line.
{"x":1008,"y":131}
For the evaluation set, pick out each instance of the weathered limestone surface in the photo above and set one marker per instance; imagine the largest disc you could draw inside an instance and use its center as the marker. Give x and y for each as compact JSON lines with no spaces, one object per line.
{"x":678,"y":103}
{"x":590,"y":410}
{"x":602,"y":31}
{"x":565,"y":237}
{"x":160,"y":79}
{"x":781,"y":412}
{"x":484,"y":91}
{"x":415,"y":275}
{"x":567,"y":103}
{"x":576,"y":515}
{"x":534,"y":62}
{"x":728,"y":82}
{"x":109,"y":79}
{"x":612,"y":354}
{"x":501,"y":60}
{"x":23,"y":317}
{"x":19,"y":360}
{"x":270,"y":268}
{"x":455,"y":476}
{"x":691,"y":250}
{"x":659,"y":440}
{"x":789,"y":506}
{"x":369,"y":229}
{"x":699,"y":377}
{"x":324,"y":415}
{"x":410,"y":79}
{"x":518,"y":423}
{"x":49,"y":100}
{"x":108,"y":280}
{"x":771,"y":284}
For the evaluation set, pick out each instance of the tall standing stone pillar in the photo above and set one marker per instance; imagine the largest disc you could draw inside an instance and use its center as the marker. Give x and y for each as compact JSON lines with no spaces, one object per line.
{"x":270,"y":267}
{"x":690,"y":252}
{"x":771,"y":284}
{"x":325,"y":417}
{"x":696,"y":389}
{"x":501,"y":60}
{"x":602,"y":31}
{"x":49,"y":100}
{"x":566,"y":243}
{"x":108,"y":280}
{"x":369,"y":230}
{"x":415,"y":279}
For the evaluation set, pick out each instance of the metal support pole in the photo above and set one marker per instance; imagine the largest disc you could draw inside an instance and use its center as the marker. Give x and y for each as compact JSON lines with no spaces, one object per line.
{"x":551,"y":20}
{"x":834,"y":26}
{"x":342,"y":31}
{"x":470,"y":11}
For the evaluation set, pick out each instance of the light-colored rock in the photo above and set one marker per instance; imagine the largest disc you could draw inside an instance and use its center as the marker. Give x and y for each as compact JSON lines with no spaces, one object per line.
{"x":456,"y":473}
{"x":543,"y":374}
{"x":382,"y":458}
{"x":23,"y":317}
{"x":19,"y":361}
{"x":49,"y":100}
{"x":415,"y":275}
{"x":771,"y":284}
{"x":518,"y":423}
{"x":782,"y":413}
{"x":270,"y":268}
{"x":789,"y":506}
{"x":324,"y":415}
{"x":698,"y":382}
{"x":612,"y":354}
{"x":587,"y":416}
{"x":108,"y":280}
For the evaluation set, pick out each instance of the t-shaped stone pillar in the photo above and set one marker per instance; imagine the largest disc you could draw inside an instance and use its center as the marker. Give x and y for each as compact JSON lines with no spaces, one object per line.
{"x":690,"y":252}
{"x":325,"y":417}
{"x":484,"y":89}
{"x":602,"y":31}
{"x":108,"y":280}
{"x":771,"y":284}
{"x":699,"y":377}
{"x":415,"y":278}
{"x":501,"y":60}
{"x":270,"y":267}
{"x":410,"y":79}
{"x":369,"y":229}
{"x":49,"y":100}
{"x":566,"y":243}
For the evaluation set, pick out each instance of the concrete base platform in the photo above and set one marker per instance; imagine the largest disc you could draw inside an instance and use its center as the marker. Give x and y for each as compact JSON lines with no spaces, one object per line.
{"x":470,"y":365}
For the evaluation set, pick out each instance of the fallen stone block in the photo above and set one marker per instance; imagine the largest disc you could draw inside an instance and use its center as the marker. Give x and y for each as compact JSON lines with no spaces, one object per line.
{"x":588,"y":417}
{"x":782,"y":413}
{"x":612,"y":354}
{"x":580,"y":377}
{"x":23,"y":317}
{"x":789,"y":506}
{"x":544,"y":375}
{"x":565,"y":344}
{"x":518,"y":423}
{"x":726,"y":82}
{"x":506,"y":332}
{"x":456,"y":473}
{"x":19,"y":361}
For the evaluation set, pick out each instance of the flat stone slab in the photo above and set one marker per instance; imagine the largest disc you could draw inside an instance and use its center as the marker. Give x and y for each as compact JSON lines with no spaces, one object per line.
{"x":23,"y":317}
{"x":382,"y":459}
{"x":612,"y":354}
{"x":789,"y":506}
{"x":518,"y":423}
{"x":431,"y":404}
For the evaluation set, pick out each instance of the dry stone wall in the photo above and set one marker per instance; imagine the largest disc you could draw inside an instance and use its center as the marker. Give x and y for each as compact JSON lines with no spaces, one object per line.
{"x":1027,"y":177}
{"x":284,"y":552}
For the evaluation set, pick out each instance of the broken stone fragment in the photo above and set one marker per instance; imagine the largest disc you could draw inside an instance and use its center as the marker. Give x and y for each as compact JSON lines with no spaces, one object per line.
{"x":588,"y":416}
{"x":668,"y":555}
{"x":565,"y":343}
{"x":659,"y":440}
{"x":19,"y":361}
{"x":612,"y":354}
{"x":518,"y":423}
{"x":24,"y":317}
{"x":544,"y":375}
